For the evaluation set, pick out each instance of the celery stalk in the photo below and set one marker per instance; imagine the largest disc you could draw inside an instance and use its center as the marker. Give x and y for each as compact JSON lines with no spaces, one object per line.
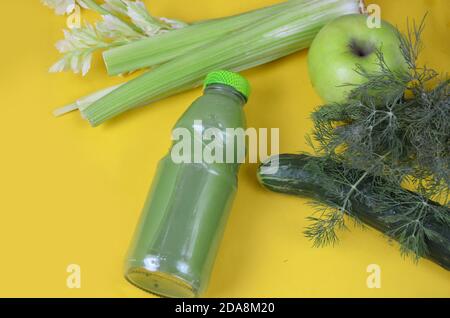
{"x":159,"y":49}
{"x":273,"y":37}
{"x":84,"y":102}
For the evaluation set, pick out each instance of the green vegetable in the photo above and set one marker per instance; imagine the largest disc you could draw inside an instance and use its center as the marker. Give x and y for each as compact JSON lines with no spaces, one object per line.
{"x":321,"y":179}
{"x":156,"y":50}
{"x":393,"y":131}
{"x":273,"y":37}
{"x":133,"y":50}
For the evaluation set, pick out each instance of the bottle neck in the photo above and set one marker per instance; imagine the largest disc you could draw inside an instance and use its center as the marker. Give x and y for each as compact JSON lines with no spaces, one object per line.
{"x":226,"y":90}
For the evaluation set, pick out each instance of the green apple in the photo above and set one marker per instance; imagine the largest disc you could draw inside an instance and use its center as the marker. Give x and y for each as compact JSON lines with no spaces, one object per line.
{"x":345,"y":43}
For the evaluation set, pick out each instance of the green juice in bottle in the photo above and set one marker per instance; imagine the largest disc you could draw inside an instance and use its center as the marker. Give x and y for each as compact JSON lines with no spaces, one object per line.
{"x":183,"y":220}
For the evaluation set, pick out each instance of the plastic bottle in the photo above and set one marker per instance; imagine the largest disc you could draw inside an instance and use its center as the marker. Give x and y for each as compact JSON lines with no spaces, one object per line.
{"x":183,"y":220}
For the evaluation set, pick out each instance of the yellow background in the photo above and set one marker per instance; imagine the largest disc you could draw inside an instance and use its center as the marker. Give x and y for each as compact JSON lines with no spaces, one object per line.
{"x":73,"y":194}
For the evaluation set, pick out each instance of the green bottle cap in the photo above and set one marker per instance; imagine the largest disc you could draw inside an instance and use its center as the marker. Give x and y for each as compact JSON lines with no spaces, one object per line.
{"x":238,"y":82}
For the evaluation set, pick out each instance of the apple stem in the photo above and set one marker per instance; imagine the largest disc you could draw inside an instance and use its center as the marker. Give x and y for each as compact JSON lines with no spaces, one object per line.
{"x":362,"y":7}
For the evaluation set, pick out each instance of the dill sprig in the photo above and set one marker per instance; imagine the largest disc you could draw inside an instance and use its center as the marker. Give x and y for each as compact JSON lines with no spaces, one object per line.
{"x":392,"y":131}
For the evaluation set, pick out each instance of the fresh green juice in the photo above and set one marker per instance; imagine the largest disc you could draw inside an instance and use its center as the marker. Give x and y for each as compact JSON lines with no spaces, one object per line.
{"x":183,"y":220}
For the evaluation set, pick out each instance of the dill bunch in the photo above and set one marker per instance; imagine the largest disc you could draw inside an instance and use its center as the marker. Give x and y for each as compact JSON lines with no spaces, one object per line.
{"x":392,"y":132}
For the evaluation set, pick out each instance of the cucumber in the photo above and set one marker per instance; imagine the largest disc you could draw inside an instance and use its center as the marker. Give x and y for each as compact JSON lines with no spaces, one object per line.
{"x":296,"y":175}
